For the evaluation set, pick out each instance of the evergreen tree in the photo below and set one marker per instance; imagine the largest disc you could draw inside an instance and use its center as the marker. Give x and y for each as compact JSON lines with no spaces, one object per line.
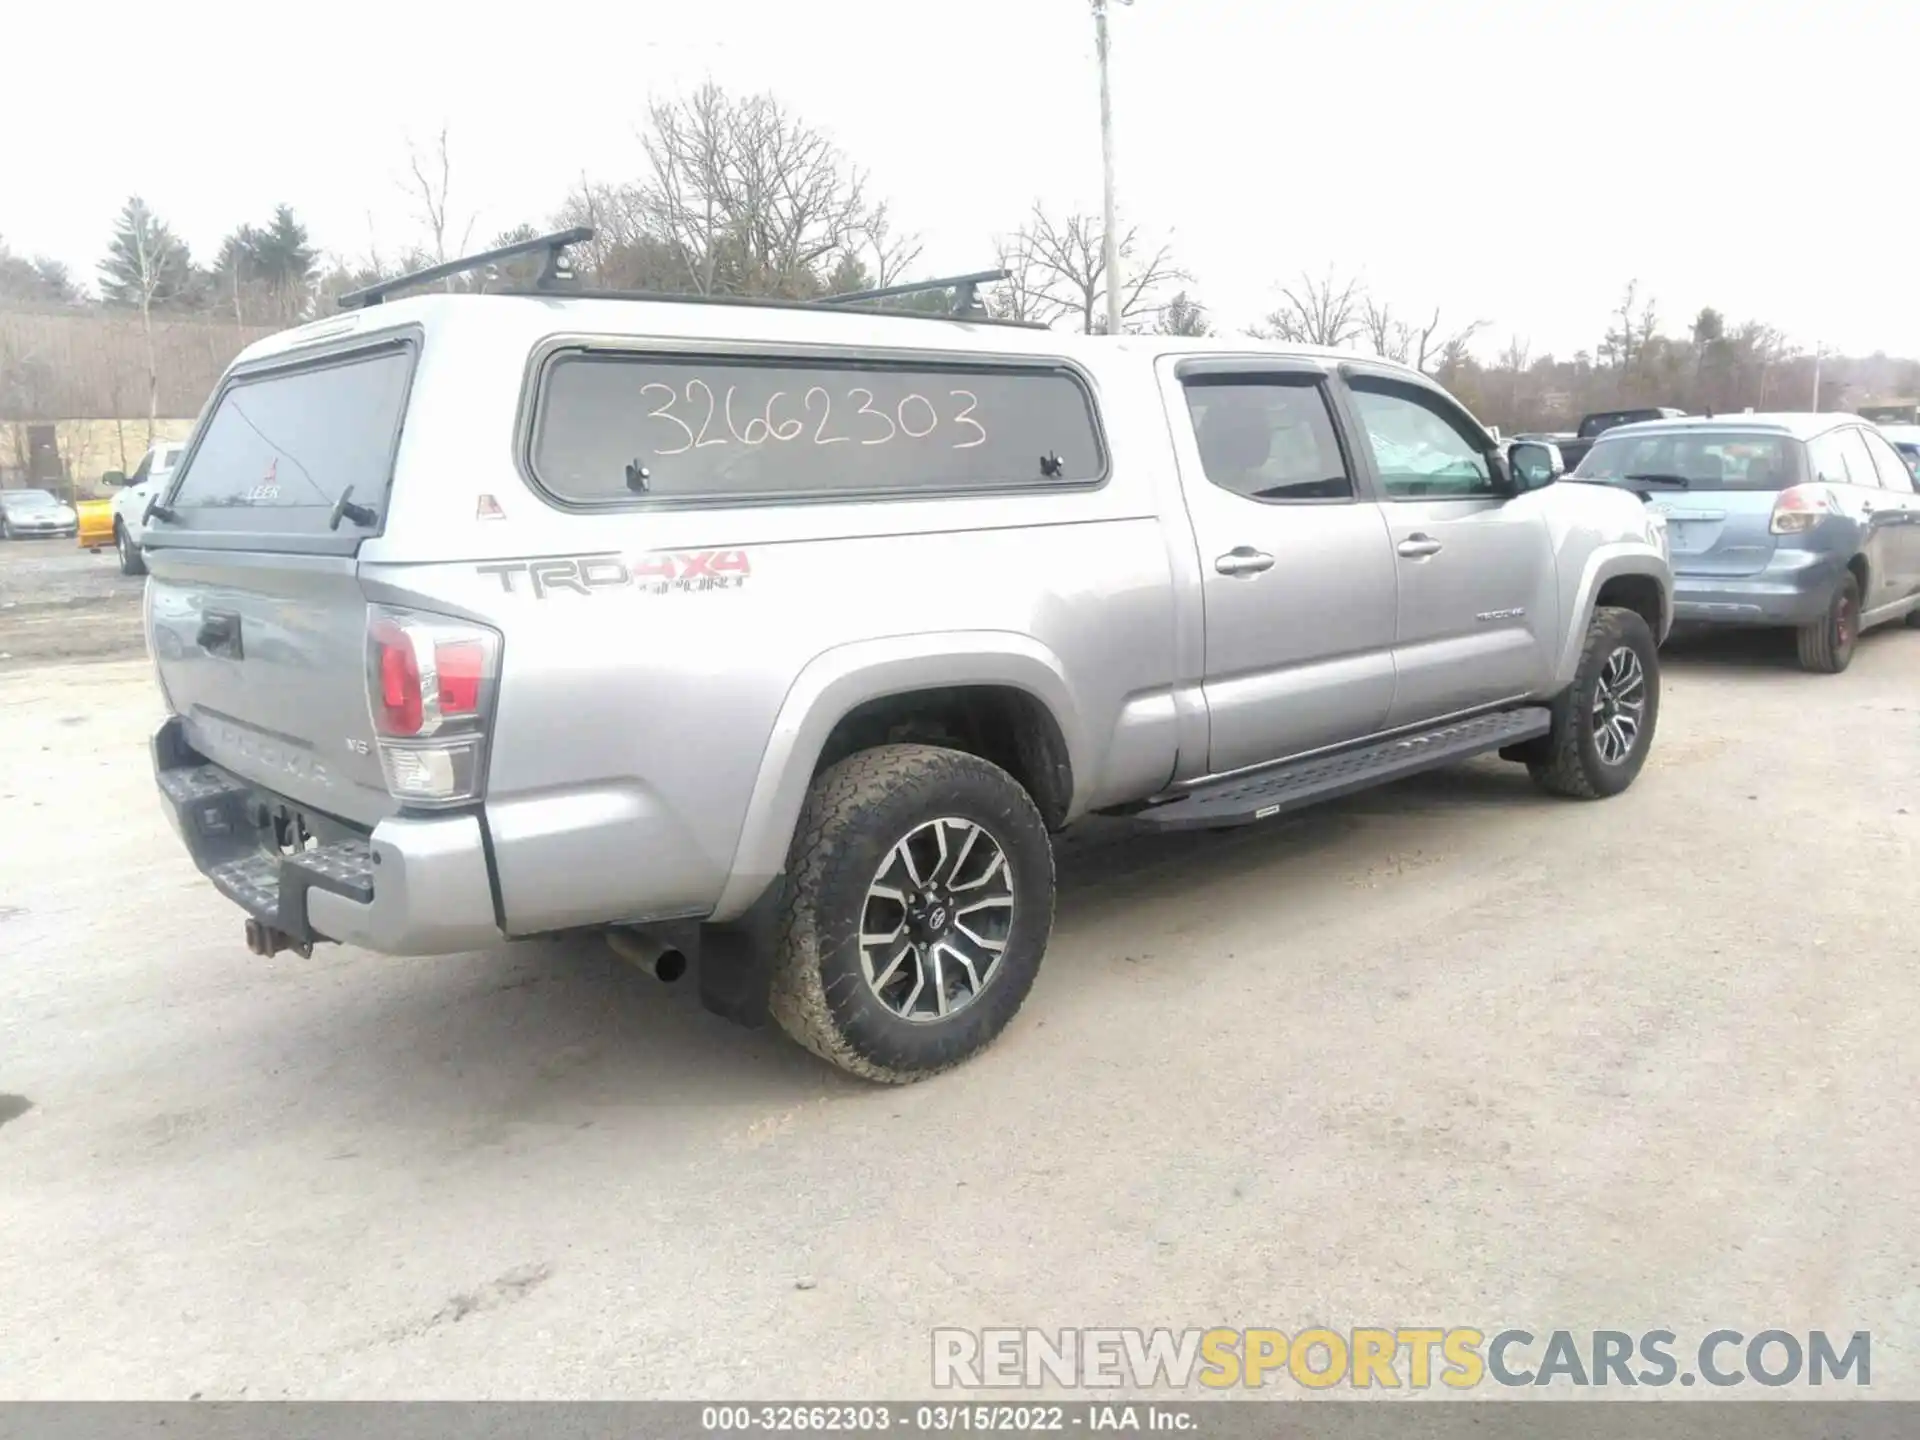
{"x":147,"y":266}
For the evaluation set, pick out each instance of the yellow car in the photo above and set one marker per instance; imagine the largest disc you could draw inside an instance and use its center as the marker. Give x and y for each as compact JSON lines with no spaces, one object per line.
{"x":96,"y":523}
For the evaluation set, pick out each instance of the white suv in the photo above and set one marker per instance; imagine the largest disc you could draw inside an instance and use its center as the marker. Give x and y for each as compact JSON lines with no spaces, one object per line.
{"x":130,"y":505}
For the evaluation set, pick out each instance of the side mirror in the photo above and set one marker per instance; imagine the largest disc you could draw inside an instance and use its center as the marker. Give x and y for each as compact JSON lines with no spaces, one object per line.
{"x":1534,"y":464}
{"x":114,"y":478}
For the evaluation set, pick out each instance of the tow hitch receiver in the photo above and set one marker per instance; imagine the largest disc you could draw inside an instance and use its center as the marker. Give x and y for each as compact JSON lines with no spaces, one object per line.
{"x":263,"y":939}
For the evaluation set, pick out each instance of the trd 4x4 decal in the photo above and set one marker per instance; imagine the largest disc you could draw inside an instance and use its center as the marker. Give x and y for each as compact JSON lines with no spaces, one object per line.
{"x":661,"y":572}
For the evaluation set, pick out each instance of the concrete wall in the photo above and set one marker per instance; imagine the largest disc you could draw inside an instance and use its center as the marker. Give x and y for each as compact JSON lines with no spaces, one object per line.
{"x":89,"y":448}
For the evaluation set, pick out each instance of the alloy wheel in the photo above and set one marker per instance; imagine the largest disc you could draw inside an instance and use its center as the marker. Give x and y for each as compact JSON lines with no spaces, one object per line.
{"x":1619,"y":705}
{"x":936,"y":920}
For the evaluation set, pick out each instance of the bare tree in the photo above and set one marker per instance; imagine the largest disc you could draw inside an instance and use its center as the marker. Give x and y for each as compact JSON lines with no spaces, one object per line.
{"x":1018,"y":297}
{"x":748,"y":198}
{"x":1060,"y":271}
{"x":1387,"y":335}
{"x":1635,"y":325}
{"x":893,"y":253}
{"x":1316,"y":312}
{"x":430,"y":185}
{"x":1431,"y":347}
{"x":1514,"y":359}
{"x":623,"y":254}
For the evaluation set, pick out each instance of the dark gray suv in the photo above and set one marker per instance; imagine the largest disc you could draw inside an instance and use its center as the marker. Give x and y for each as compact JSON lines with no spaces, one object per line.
{"x":1808,"y":521}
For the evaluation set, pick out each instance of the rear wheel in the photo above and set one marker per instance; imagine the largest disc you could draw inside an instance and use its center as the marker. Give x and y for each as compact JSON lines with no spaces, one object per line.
{"x":1826,"y":646}
{"x":132,"y":562}
{"x":1603,"y":725}
{"x":918,"y":902}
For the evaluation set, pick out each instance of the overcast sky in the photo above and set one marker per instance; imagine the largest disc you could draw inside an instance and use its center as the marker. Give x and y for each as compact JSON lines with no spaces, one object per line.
{"x":1509,"y":160}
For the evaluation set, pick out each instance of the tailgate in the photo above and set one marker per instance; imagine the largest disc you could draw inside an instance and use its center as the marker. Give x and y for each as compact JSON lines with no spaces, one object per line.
{"x":264,"y":658}
{"x":1719,"y":532}
{"x":259,"y":624}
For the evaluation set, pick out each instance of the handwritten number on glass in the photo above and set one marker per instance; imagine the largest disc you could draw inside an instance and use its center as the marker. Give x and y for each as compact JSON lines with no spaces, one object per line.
{"x":704,"y":424}
{"x":785,"y":430}
{"x":866,"y":408}
{"x":745,"y":437}
{"x":933,"y":416}
{"x":965,"y":417}
{"x":665,"y":412}
{"x":820,"y":436}
{"x":915,"y":416}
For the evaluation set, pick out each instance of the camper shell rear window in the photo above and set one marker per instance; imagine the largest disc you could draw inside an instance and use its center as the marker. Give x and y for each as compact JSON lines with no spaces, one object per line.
{"x":280,"y":447}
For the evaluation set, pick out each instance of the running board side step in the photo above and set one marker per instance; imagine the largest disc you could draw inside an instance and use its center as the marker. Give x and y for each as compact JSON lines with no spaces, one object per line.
{"x":1243,"y":799}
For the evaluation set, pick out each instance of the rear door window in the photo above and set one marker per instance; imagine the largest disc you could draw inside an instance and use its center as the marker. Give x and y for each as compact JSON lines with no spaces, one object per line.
{"x":1828,"y":460}
{"x":282,"y":446}
{"x":1269,"y":439}
{"x":612,"y":428}
{"x":1853,"y":446}
{"x":1895,"y":473}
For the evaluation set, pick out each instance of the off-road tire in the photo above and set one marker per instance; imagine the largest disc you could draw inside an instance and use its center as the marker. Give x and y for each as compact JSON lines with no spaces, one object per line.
{"x":1826,"y":646}
{"x":132,"y":562}
{"x":1568,"y":761}
{"x":855,"y":813}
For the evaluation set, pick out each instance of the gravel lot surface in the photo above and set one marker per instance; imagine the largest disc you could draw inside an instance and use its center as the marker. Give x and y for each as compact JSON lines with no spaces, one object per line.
{"x":1449,"y":1053}
{"x":58,"y":602}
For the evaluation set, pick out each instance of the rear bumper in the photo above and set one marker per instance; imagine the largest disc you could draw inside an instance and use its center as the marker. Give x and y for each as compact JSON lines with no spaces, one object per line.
{"x":1794,"y":589}
{"x":411,"y":886}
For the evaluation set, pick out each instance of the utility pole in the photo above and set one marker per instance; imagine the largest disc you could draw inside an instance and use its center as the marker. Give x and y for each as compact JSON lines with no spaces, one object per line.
{"x":1819,"y":352}
{"x":1111,"y":248}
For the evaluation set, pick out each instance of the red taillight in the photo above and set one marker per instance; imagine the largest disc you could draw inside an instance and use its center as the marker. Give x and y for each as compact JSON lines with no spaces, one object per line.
{"x":400,"y":705}
{"x":427,"y":687}
{"x":1801,"y":508}
{"x":461,"y":665}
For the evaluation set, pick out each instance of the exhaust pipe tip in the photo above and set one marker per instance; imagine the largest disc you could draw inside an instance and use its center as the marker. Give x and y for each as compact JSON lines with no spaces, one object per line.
{"x":659,"y":959}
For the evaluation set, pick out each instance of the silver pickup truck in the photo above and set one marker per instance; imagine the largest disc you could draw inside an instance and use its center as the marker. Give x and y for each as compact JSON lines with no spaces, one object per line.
{"x":776,"y":639}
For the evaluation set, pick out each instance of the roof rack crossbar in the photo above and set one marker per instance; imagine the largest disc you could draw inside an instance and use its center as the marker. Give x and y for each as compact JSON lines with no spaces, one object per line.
{"x":966,"y":296}
{"x":760,"y":302}
{"x":557,"y":270}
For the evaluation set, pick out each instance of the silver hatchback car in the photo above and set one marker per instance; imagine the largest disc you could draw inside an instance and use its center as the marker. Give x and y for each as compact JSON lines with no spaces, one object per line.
{"x":1805,"y":521}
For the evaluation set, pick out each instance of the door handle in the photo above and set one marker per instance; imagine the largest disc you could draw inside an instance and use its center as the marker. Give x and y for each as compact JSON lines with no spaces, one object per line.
{"x":220,"y":634}
{"x":1417,"y":546}
{"x":1243,"y":560}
